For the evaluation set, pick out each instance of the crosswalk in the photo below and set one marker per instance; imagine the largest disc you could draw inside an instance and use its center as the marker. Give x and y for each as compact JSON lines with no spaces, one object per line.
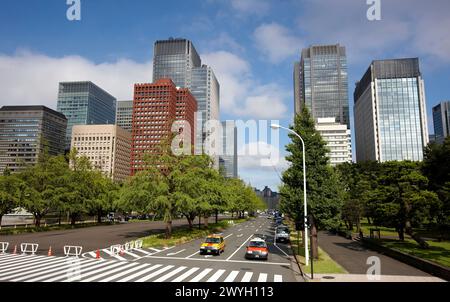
{"x":31,"y":268}
{"x":125,"y":255}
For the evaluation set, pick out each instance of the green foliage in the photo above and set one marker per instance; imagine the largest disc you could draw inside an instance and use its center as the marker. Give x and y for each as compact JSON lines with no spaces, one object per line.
{"x":324,"y":195}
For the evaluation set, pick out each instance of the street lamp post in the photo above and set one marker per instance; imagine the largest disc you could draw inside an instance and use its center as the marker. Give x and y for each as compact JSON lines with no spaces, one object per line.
{"x":277,"y":127}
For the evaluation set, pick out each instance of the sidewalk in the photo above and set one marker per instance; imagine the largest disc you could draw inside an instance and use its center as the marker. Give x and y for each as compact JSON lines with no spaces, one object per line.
{"x":353,"y":257}
{"x":365,"y":278}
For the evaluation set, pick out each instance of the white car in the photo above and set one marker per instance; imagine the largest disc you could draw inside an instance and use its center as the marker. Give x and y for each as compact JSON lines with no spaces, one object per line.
{"x":282,"y":236}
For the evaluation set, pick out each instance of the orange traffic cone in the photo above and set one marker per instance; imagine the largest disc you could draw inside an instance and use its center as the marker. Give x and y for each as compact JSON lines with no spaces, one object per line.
{"x":15,"y":250}
{"x":97,"y":255}
{"x":50,"y":252}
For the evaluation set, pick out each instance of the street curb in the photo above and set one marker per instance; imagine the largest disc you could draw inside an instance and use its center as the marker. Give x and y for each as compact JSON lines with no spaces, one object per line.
{"x":296,"y":267}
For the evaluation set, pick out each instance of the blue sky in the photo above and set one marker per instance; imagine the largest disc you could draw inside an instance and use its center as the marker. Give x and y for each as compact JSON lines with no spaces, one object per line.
{"x":251,"y":44}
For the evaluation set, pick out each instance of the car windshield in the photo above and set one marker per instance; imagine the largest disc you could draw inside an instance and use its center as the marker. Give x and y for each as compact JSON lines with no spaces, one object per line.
{"x":257,"y":244}
{"x":212,"y":240}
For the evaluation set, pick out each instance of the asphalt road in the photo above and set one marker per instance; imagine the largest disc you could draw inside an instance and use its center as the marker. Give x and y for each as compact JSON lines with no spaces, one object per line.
{"x":176,"y":264}
{"x":90,"y":238}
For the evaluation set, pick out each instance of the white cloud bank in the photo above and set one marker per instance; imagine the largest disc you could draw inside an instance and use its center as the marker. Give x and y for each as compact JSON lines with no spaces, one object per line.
{"x":28,"y":78}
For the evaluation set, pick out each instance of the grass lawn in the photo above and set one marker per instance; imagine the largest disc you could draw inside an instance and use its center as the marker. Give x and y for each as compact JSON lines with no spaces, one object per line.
{"x":438,"y":252}
{"x":183,"y":235}
{"x":325,"y":265}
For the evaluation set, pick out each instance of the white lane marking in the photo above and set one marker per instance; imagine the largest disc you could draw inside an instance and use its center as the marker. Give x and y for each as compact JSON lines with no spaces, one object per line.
{"x":160,"y":251}
{"x":83,"y":265}
{"x":109,"y":272}
{"x":240,"y":247}
{"x":239,"y":230}
{"x":88,"y":268}
{"x":132,"y":254}
{"x":216,"y":276}
{"x":176,"y":253}
{"x":231,"y":276}
{"x":96,"y":271}
{"x":201,"y":275}
{"x":171,"y":274}
{"x":262,"y":278}
{"x":152,"y":268}
{"x":92,"y":254}
{"x":56,"y":266}
{"x":197,"y":252}
{"x":239,"y":236}
{"x":9,"y":257}
{"x":228,"y":236}
{"x":23,"y":267}
{"x":156,"y":250}
{"x":218,"y":260}
{"x":112,"y":255}
{"x":186,"y":274}
{"x":22,"y":260}
{"x":142,"y":251}
{"x":247,"y":277}
{"x":278,"y":278}
{"x":154,"y":274}
{"x":116,"y":276}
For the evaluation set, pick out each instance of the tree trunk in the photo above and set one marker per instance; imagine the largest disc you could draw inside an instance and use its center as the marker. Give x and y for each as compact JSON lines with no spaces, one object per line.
{"x":37,"y":220}
{"x":168,"y":229}
{"x":99,"y":217}
{"x":401,"y":233}
{"x":422,"y":243}
{"x":189,"y":222}
{"x":217,"y":216}
{"x":358,"y":225}
{"x":314,"y":241}
{"x":206,"y":218}
{"x":73,"y":219}
{"x":368,"y":220}
{"x":1,"y":218}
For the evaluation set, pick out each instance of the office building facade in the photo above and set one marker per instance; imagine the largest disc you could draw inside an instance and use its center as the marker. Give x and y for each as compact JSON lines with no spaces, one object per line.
{"x":338,"y":139}
{"x":155,"y":109}
{"x":26,"y":131}
{"x":84,"y":103}
{"x":228,"y":160}
{"x":321,"y":83}
{"x":441,"y":121}
{"x":124,"y":115}
{"x":390,"y":112}
{"x":108,"y":148}
{"x":178,"y":60}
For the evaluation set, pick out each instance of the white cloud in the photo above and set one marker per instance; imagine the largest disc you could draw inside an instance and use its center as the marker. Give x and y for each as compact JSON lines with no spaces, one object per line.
{"x":28,"y":78}
{"x":277,"y":42}
{"x":240,"y":93}
{"x":251,"y":7}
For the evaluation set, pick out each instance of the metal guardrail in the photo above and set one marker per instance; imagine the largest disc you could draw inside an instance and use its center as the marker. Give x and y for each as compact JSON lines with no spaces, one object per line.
{"x":3,"y":247}
{"x":72,"y":251}
{"x":29,"y":248}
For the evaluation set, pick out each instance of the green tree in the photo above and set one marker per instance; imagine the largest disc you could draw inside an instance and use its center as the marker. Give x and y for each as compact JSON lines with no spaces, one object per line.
{"x":324,"y":196}
{"x":9,"y":193}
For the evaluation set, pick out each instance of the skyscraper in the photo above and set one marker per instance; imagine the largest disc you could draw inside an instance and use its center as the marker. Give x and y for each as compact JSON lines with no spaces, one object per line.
{"x":174,"y":59}
{"x":441,"y":121}
{"x":390,"y":112}
{"x":26,"y":131}
{"x":178,"y":60}
{"x":321,"y":83}
{"x":124,"y":114}
{"x":228,"y":161}
{"x":155,"y":108}
{"x":84,"y":103}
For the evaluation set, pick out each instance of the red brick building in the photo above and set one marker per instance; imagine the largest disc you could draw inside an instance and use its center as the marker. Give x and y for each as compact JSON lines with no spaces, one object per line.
{"x":155,"y":108}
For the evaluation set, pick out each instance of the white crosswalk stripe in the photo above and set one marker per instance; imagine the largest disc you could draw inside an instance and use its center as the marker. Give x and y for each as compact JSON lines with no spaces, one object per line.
{"x":171,"y":274}
{"x":23,"y":268}
{"x":247,"y":277}
{"x":186,"y":275}
{"x":138,"y":274}
{"x":231,"y":276}
{"x":107,"y":251}
{"x":216,"y":276}
{"x":201,"y":275}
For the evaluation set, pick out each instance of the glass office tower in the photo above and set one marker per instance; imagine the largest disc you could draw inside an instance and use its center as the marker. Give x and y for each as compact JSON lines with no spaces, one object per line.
{"x":228,"y":161}
{"x":390,"y":112}
{"x":26,"y":131}
{"x":124,"y":115}
{"x":174,"y":59}
{"x":441,"y":121}
{"x":84,"y":103}
{"x":321,"y":83}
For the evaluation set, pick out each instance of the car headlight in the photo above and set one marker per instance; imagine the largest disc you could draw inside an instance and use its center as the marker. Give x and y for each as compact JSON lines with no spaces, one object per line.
{"x":202,"y":248}
{"x":264,"y":253}
{"x":249,"y":252}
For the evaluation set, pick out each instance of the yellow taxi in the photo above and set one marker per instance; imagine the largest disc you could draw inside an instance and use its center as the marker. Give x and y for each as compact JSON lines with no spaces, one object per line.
{"x":213,"y":244}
